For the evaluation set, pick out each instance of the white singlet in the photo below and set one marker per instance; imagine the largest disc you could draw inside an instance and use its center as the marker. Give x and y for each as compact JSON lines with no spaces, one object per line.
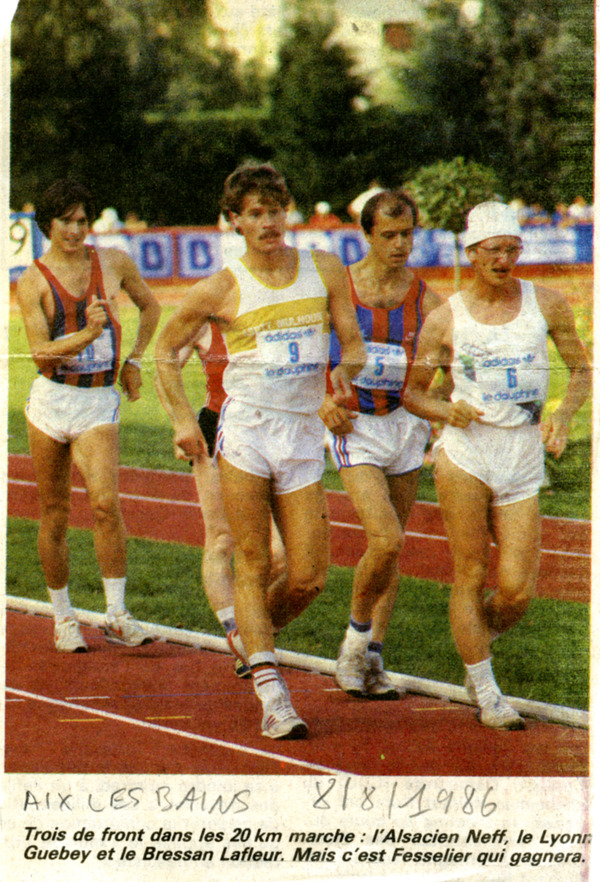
{"x":278,"y":344}
{"x":502,"y":369}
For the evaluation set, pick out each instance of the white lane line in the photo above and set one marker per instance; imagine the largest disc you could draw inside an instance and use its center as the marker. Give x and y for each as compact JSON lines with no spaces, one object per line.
{"x":192,"y":736}
{"x":341,"y":524}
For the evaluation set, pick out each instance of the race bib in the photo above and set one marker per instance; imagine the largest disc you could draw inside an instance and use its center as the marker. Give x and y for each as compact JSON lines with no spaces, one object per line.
{"x":385,"y":368}
{"x":292,"y":352}
{"x":96,"y":357}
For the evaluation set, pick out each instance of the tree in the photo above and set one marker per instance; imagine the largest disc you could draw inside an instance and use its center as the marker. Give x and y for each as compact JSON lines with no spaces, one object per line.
{"x":515,"y":91}
{"x":76,"y":106}
{"x":315,"y":124}
{"x":445,"y":193}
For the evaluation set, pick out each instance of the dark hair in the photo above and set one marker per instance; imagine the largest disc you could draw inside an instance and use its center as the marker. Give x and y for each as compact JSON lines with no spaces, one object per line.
{"x":59,"y":199}
{"x":392,"y":202}
{"x":262,"y":179}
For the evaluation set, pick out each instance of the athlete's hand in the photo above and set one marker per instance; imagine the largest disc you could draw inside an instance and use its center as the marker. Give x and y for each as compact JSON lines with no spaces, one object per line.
{"x":131,"y":380}
{"x":336,"y":417}
{"x":96,"y":316}
{"x":342,"y":387}
{"x":189,"y":441}
{"x":460,"y":414}
{"x":555,"y":433}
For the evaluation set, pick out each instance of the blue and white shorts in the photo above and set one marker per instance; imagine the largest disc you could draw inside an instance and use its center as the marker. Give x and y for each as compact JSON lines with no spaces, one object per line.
{"x":395,"y":442}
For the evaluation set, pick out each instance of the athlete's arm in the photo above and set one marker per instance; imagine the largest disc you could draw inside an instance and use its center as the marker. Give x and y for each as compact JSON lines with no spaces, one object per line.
{"x":45,"y":352}
{"x":433,"y":352}
{"x":211,"y":298}
{"x":561,"y":327}
{"x":139,"y":293}
{"x":344,"y":321}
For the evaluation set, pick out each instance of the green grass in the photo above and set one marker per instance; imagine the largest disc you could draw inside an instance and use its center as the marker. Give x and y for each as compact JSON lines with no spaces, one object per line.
{"x":146,"y":435}
{"x":544,"y":658}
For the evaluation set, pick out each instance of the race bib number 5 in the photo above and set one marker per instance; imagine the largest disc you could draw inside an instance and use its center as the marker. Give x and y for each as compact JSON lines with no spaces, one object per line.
{"x":385,"y":368}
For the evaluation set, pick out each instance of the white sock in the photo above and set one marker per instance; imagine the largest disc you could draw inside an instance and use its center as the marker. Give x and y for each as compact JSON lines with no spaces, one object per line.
{"x":356,"y":640}
{"x":226,"y":617}
{"x":61,"y":603}
{"x":482,"y":678}
{"x":114,"y":592}
{"x":265,"y":677}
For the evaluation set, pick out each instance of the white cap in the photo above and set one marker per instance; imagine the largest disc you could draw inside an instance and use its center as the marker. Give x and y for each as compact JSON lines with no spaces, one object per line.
{"x":322,"y":207}
{"x":489,"y":219}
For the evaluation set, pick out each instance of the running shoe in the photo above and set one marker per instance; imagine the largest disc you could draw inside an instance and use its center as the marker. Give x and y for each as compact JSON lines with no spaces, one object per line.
{"x":241,"y":669}
{"x":125,"y":631}
{"x":378,"y":685}
{"x":280,"y":721}
{"x":68,"y":637}
{"x":500,"y":716}
{"x":351,"y":671}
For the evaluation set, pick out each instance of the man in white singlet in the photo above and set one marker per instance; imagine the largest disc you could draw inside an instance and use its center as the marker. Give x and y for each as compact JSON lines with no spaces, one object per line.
{"x":490,"y":463}
{"x":274,"y":306}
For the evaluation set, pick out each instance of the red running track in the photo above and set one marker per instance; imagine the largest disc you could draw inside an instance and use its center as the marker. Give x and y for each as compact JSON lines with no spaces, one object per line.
{"x":163,"y":505}
{"x":166,"y":708}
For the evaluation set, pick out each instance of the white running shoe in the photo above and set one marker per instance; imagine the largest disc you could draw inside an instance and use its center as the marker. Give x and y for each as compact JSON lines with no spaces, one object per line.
{"x":125,"y":631}
{"x":378,"y":685}
{"x":500,"y":716}
{"x":351,"y":671}
{"x":68,"y":637}
{"x":280,"y":720}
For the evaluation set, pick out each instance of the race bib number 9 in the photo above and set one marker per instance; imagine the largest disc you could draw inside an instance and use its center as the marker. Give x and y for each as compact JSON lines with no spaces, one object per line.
{"x":292,"y":352}
{"x":385,"y":368}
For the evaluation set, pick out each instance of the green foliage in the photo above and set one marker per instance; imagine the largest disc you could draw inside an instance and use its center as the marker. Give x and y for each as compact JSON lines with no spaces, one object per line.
{"x":545,"y":657}
{"x":514,"y":90}
{"x":446,"y":191}
{"x":314,"y":122}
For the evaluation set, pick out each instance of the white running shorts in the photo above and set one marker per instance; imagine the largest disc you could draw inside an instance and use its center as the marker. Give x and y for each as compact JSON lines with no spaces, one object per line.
{"x":66,"y":412}
{"x":510,"y":461}
{"x":277,"y":444}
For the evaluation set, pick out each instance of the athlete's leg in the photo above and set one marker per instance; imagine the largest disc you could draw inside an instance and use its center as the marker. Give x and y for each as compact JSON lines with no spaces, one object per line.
{"x":517,"y":529}
{"x":376,"y":573}
{"x":403,"y":492}
{"x":465,"y":501}
{"x":96,"y":454}
{"x":303,"y":522}
{"x":247,"y":502}
{"x":52,"y":466}
{"x":217,"y":569}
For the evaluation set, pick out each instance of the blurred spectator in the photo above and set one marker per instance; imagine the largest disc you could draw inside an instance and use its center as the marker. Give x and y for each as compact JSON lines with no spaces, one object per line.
{"x":133,"y":223}
{"x":580,"y":211}
{"x":534,"y":215}
{"x":323,"y":218}
{"x":108,"y":222}
{"x":28,"y":208}
{"x":560,"y":216}
{"x":519,"y":207}
{"x":293,"y":217}
{"x":357,"y":205}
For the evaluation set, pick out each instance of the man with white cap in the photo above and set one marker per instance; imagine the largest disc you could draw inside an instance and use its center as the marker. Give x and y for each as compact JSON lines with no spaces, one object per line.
{"x":492,"y":336}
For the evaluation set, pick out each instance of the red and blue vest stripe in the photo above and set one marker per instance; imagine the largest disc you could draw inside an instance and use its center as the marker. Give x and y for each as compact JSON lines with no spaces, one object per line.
{"x":399,"y":326}
{"x":69,"y":317}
